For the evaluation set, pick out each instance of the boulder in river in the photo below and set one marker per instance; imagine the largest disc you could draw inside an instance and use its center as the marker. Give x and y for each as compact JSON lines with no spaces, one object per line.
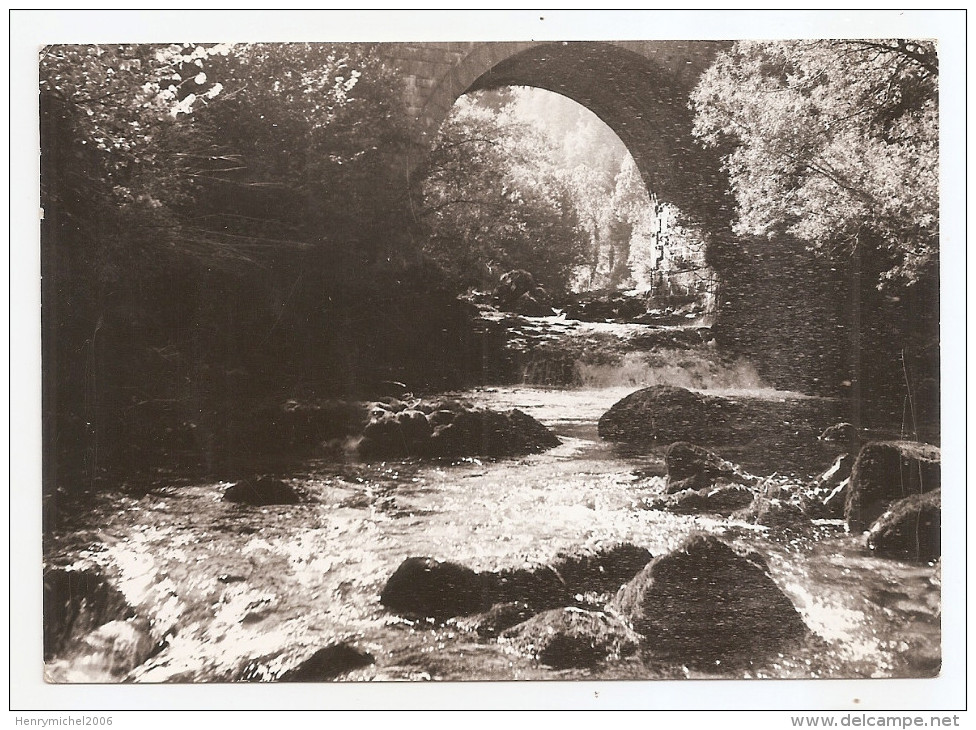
{"x":828,"y":492}
{"x":705,"y":602}
{"x":838,"y":472}
{"x":414,"y":427}
{"x":720,"y":500}
{"x":603,"y":570}
{"x":328,"y":663}
{"x":566,"y":638}
{"x":436,"y":589}
{"x":533,"y":304}
{"x":77,"y":602}
{"x":262,"y":492}
{"x":491,"y":623}
{"x":114,"y":649}
{"x":833,"y":502}
{"x":665,"y":413}
{"x":394,"y":431}
{"x":840,"y":433}
{"x":886,"y":471}
{"x":440,"y":590}
{"x":450,"y":429}
{"x":491,"y":433}
{"x":382,"y":432}
{"x":692,"y":467}
{"x":440,"y":417}
{"x":512,"y":285}
{"x":910,"y":529}
{"x":518,"y":292}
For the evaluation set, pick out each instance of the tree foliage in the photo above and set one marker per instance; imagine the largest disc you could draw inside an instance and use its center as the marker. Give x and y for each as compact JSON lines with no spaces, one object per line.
{"x":307,"y":137}
{"x":215,"y":219}
{"x":633,"y":239}
{"x":833,"y":141}
{"x":531,"y":140}
{"x":226,"y":152}
{"x":589,"y":156}
{"x":493,"y":201}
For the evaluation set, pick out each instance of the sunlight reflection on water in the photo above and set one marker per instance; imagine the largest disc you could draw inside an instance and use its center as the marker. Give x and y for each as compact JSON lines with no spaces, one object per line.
{"x":236,"y":592}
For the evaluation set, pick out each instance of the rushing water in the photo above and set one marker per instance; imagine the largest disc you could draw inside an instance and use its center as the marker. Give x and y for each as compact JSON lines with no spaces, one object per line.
{"x":234,"y":592}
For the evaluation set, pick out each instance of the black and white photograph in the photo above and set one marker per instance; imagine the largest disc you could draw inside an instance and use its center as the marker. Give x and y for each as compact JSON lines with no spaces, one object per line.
{"x":543,"y":359}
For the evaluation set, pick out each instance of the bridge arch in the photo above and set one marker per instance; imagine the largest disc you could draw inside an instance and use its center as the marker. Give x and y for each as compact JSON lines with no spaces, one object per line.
{"x":640,"y":89}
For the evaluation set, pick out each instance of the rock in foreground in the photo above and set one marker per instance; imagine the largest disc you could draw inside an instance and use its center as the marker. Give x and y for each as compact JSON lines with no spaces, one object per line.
{"x":910,"y":529}
{"x":602,"y":571}
{"x":886,"y":471}
{"x":705,"y":602}
{"x":327,"y":664}
{"x":565,"y":638}
{"x":435,"y":589}
{"x":440,"y":590}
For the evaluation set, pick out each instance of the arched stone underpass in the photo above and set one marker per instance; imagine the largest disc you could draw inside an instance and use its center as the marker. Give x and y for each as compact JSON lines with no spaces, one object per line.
{"x":776,"y":305}
{"x":639,"y":89}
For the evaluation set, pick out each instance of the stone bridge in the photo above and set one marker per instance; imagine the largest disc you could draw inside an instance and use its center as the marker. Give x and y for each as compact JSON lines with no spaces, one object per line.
{"x":776,"y":304}
{"x":639,"y":89}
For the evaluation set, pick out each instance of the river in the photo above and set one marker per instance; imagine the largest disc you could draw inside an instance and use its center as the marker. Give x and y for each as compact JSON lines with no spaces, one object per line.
{"x":235,"y":592}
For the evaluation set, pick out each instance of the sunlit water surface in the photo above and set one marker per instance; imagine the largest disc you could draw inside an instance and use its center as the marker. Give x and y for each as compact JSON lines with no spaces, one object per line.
{"x":236,"y":592}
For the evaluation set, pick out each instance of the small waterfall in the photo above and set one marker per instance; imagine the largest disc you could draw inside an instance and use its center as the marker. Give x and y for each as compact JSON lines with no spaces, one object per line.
{"x":696,"y":369}
{"x":555,"y":352}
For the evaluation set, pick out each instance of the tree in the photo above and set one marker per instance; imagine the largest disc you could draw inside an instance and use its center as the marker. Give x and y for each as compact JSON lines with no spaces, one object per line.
{"x":832,"y":146}
{"x":117,"y":122}
{"x":313,"y":132}
{"x":835,"y":142}
{"x":590,"y":155}
{"x":493,"y":201}
{"x":214,"y":220}
{"x":224,"y":151}
{"x":113,"y":127}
